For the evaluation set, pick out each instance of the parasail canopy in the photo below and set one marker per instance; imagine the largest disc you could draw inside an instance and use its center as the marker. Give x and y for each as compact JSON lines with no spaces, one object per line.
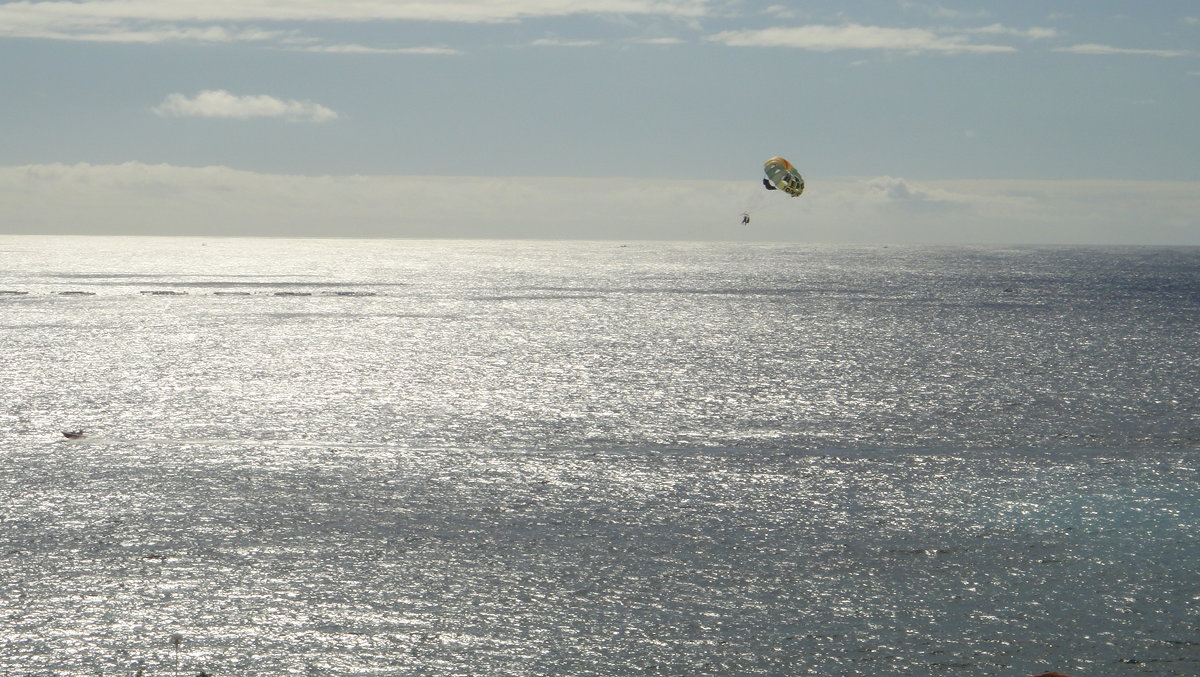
{"x":781,"y":175}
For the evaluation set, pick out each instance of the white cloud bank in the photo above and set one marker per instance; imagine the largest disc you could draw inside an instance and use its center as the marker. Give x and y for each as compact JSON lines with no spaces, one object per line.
{"x":221,"y":104}
{"x":158,"y":20}
{"x":140,"y":199}
{"x":1034,"y":33}
{"x":855,"y":36}
{"x":363,"y":49}
{"x":1110,"y":50}
{"x":466,"y":11}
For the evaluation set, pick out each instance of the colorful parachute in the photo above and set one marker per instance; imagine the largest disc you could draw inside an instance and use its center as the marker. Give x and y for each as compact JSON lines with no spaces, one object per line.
{"x":781,"y":175}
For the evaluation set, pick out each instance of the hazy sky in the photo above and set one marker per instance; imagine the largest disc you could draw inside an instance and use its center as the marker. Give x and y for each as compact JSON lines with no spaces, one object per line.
{"x":1021,"y":121}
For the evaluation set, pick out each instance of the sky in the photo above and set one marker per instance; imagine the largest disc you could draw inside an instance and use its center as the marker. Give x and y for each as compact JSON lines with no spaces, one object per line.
{"x":1022,"y":122}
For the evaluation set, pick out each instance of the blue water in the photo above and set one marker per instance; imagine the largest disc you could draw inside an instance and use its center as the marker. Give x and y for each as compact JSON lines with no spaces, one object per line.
{"x":539,"y":458}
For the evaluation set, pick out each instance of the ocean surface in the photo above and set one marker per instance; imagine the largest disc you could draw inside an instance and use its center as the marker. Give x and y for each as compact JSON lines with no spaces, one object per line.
{"x":395,"y":457}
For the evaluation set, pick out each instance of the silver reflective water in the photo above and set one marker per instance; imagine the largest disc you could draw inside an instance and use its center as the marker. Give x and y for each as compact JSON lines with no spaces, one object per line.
{"x":538,"y":458}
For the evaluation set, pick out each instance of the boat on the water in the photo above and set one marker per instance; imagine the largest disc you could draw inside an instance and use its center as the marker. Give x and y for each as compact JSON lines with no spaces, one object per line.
{"x":73,"y":434}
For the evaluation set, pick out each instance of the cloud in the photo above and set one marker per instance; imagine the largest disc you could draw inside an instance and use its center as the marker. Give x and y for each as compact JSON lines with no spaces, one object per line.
{"x":1034,"y":33}
{"x":781,"y":12}
{"x":152,"y":21}
{"x":221,"y":104}
{"x":558,"y":42}
{"x":1109,"y":50}
{"x":26,"y":20}
{"x":662,"y":41}
{"x":467,"y":11}
{"x":363,"y":49}
{"x":891,"y":188}
{"x":855,"y":36}
{"x":944,"y":12}
{"x":143,"y":199}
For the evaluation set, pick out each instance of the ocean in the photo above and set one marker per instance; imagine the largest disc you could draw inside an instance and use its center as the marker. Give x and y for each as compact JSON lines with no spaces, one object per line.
{"x":399,"y":457}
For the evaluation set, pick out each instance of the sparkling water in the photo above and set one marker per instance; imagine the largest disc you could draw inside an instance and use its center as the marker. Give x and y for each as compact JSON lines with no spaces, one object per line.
{"x":393,"y":457}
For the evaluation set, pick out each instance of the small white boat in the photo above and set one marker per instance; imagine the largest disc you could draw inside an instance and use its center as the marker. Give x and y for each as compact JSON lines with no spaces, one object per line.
{"x":73,"y":434}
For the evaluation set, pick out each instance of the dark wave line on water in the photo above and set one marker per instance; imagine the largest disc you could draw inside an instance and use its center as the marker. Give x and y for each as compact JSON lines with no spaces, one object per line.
{"x":714,"y":291}
{"x":142,"y":276}
{"x":221,"y":441}
{"x":234,"y":281}
{"x":337,"y":316}
{"x":539,"y":297}
{"x":22,"y":295}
